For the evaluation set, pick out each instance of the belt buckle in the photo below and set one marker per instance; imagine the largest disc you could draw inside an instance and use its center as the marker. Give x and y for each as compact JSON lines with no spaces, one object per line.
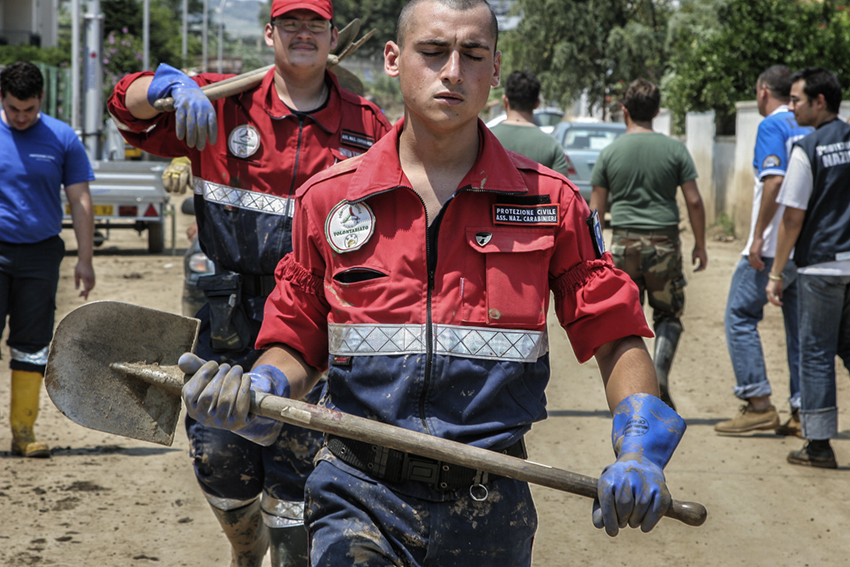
{"x":420,"y":470}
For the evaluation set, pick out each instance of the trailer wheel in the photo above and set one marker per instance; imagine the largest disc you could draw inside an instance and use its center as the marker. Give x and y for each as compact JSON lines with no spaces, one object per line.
{"x":156,"y":237}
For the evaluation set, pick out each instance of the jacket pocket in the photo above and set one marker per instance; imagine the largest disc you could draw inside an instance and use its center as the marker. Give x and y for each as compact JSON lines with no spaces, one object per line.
{"x":515,"y":264}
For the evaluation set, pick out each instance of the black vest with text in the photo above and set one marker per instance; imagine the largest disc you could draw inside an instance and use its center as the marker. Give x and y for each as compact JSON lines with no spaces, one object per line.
{"x":825,"y":235}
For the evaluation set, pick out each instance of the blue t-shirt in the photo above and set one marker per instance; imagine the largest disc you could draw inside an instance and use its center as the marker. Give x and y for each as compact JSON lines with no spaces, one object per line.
{"x":34,"y":166}
{"x":776,"y":133}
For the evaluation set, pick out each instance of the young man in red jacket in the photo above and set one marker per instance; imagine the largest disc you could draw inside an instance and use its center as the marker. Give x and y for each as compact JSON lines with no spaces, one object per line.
{"x":249,"y":154}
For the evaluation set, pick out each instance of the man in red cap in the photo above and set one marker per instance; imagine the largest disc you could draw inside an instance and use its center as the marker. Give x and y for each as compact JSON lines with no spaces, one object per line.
{"x":249,"y":154}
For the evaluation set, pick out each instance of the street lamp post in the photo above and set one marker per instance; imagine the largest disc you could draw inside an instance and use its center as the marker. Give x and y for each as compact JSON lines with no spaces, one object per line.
{"x":221,"y":35}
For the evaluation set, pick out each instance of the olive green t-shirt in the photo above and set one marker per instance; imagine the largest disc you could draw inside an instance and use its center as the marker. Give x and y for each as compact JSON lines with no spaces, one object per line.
{"x":642,"y":172}
{"x":533,"y":143}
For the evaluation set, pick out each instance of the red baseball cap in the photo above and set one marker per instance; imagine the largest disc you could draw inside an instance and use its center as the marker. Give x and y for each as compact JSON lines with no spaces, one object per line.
{"x":324,"y":8}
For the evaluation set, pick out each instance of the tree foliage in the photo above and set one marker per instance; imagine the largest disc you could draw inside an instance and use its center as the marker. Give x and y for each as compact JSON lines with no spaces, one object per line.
{"x":719,"y":48}
{"x":378,"y":14}
{"x":591,"y":46}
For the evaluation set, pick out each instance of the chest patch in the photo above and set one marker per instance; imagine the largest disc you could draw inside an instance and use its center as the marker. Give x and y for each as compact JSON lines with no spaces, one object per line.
{"x":243,"y":141}
{"x":349,"y":226}
{"x":525,"y":215}
{"x":358,"y":140}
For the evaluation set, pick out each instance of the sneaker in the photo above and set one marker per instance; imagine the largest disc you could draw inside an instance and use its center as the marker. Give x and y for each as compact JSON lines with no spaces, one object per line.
{"x":792,"y":427}
{"x":748,"y":419}
{"x":814,"y":454}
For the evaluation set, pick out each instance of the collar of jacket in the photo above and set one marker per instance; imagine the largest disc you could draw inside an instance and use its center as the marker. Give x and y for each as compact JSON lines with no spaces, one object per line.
{"x":379,"y":169}
{"x":329,"y":118}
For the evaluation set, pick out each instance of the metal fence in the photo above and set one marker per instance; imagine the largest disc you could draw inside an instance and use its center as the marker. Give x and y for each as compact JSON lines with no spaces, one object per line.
{"x":57,"y":92}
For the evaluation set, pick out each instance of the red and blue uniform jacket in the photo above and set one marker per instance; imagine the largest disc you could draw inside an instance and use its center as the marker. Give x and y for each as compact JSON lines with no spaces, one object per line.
{"x":442,"y":330}
{"x":245,"y":184}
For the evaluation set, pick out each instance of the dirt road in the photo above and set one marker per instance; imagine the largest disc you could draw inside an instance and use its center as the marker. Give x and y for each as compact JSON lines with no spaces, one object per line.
{"x":108,"y":501}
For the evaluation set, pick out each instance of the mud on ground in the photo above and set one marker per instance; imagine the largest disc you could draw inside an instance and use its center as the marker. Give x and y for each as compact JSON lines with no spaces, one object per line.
{"x":105,"y":501}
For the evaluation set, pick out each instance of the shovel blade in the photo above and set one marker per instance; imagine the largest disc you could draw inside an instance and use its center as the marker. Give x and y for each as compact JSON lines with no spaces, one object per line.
{"x":83,"y":386}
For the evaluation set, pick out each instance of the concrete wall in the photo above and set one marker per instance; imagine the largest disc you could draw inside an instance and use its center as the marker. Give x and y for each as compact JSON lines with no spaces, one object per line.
{"x":663,"y":123}
{"x":699,"y":138}
{"x":21,"y":17}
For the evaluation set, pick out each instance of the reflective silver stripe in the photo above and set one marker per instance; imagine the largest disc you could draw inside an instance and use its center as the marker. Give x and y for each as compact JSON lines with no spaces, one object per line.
{"x":467,"y":342}
{"x":226,"y":504}
{"x":281,"y":513}
{"x":37,"y":358}
{"x":242,"y":199}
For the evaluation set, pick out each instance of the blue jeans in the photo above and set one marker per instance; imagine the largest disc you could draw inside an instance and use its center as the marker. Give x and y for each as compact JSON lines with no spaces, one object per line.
{"x":824,"y":333}
{"x":744,"y":311}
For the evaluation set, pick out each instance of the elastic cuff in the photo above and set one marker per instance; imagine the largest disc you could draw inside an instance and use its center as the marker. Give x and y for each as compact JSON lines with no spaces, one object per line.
{"x":227,"y":504}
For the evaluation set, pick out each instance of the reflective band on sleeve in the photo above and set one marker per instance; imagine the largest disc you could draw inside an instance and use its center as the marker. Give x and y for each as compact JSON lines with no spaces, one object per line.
{"x":242,"y":199}
{"x":35,"y":358}
{"x":466,"y":342}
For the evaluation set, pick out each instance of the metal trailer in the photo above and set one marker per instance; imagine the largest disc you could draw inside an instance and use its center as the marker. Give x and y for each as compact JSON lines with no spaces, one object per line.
{"x":129,"y":195}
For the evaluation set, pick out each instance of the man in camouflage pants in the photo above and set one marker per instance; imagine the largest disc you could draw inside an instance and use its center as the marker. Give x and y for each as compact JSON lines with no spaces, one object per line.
{"x":640,"y":171}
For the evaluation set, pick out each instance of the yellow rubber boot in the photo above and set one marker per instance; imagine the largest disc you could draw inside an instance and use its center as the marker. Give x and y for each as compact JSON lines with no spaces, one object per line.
{"x":26,"y":387}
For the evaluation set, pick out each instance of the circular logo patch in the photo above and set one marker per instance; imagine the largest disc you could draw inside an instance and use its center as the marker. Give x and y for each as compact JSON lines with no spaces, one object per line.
{"x":244,"y":141}
{"x":349,"y":226}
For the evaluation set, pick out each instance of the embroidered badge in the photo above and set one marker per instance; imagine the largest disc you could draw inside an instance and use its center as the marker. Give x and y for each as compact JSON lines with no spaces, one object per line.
{"x":525,"y":215}
{"x":349,"y":226}
{"x":596,"y":233}
{"x":244,"y":141}
{"x":482,"y":238}
{"x":771,"y":161}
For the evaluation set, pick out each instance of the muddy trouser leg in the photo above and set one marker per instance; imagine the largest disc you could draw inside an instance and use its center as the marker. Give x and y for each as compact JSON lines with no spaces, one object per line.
{"x":667,"y":334}
{"x":284,"y":520}
{"x":243,"y":525}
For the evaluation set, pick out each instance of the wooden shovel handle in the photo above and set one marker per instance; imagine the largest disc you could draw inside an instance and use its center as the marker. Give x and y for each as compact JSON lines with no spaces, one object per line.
{"x":370,"y":431}
{"x":222,"y":89}
{"x":170,"y":379}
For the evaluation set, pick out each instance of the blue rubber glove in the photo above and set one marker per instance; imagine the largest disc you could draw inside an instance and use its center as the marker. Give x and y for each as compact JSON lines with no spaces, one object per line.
{"x":194,"y":114}
{"x":220,"y":396}
{"x":633,"y":491}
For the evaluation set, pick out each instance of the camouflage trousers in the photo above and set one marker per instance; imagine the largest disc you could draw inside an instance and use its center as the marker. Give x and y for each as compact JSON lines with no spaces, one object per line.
{"x":653,"y":259}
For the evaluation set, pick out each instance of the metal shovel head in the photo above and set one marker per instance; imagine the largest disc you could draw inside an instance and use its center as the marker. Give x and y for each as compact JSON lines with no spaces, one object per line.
{"x":82,"y":385}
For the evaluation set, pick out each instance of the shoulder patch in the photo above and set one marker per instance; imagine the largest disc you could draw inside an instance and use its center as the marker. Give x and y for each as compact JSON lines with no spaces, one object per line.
{"x":771,"y":161}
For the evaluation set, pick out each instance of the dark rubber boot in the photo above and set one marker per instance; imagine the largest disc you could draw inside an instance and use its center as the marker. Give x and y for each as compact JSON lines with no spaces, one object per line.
{"x":248,"y":535}
{"x":667,"y":334}
{"x":289,"y":546}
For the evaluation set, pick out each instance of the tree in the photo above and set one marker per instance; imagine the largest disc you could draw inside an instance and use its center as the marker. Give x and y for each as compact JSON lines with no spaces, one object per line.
{"x":719,"y":48}
{"x":591,"y":46}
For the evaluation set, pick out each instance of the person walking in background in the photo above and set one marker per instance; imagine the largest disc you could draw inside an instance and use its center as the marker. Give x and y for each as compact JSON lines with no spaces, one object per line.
{"x":745,"y":306}
{"x":518,"y":132}
{"x":264,"y":143}
{"x":816,"y":225}
{"x":39,"y":156}
{"x":639,"y":172}
{"x":420,"y":277}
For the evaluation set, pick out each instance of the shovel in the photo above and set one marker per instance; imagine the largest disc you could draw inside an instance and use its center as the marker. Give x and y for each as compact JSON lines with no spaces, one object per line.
{"x":113,"y":367}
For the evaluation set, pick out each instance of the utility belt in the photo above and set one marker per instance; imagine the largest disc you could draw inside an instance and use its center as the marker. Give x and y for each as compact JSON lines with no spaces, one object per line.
{"x":395,"y":466}
{"x":663,"y":232}
{"x":230,"y":327}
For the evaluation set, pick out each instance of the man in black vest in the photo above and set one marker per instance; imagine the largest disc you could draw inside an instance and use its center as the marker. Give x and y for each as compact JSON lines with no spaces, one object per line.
{"x":816,"y":224}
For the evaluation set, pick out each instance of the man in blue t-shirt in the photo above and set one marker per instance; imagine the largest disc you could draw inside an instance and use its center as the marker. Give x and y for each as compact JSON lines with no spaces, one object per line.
{"x":38,"y":156}
{"x":745,"y":306}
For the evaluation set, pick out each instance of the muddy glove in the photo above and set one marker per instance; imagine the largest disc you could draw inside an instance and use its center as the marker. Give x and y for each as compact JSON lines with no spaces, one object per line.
{"x":632,"y":491}
{"x":177,"y":177}
{"x":220,"y":396}
{"x":194,"y":114}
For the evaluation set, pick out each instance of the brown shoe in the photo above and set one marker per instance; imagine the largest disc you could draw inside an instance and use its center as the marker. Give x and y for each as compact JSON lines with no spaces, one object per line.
{"x":792,"y":427}
{"x":816,"y":453}
{"x":748,"y":419}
